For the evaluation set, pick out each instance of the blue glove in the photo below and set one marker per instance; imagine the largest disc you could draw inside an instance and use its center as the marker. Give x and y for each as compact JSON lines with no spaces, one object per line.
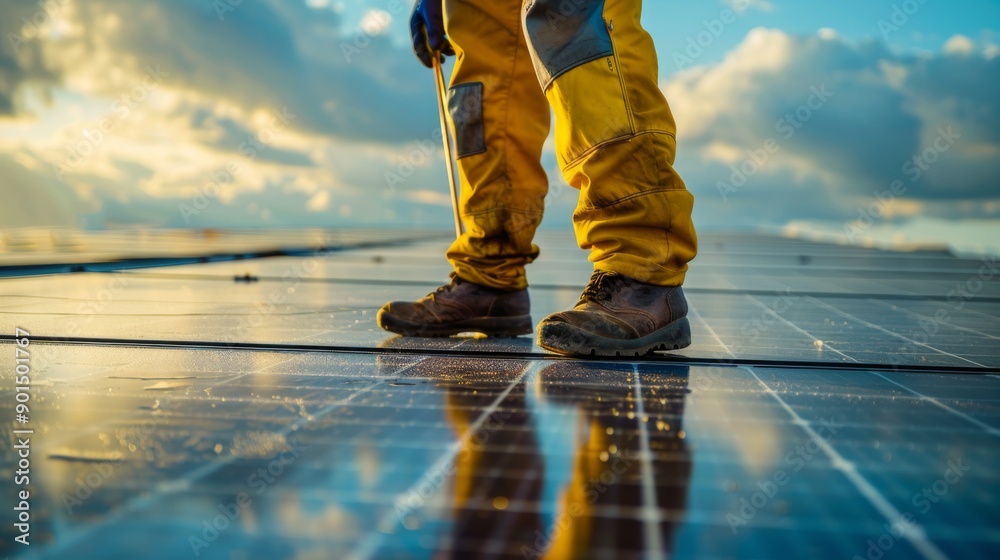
{"x":427,"y":31}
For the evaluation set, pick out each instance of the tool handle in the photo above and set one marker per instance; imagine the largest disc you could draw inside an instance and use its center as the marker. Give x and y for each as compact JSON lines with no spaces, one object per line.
{"x":446,"y":139}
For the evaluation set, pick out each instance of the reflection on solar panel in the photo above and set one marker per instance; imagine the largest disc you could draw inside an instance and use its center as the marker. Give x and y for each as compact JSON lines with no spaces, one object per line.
{"x":837,"y":402}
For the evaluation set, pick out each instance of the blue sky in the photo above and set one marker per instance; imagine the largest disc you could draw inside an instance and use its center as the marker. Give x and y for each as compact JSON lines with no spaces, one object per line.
{"x":928,"y":28}
{"x":157,"y":113}
{"x":671,"y":22}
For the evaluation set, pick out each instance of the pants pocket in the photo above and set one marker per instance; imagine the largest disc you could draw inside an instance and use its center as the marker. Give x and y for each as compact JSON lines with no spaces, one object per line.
{"x":591,"y":109}
{"x":465,"y":103}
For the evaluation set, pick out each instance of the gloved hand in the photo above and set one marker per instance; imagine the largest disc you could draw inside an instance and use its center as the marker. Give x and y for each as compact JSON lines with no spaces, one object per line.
{"x":427,"y":31}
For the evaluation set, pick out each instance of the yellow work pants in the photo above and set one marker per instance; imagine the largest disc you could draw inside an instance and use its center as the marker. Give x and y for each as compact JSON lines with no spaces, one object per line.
{"x":595,"y":66}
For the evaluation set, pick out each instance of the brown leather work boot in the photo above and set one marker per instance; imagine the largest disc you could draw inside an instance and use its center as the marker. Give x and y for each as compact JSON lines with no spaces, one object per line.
{"x":619,"y":316}
{"x":458,"y":307}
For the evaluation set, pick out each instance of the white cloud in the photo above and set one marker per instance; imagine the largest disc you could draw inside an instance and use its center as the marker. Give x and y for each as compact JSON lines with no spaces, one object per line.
{"x":375,"y":22}
{"x":741,"y":6}
{"x":980,"y":237}
{"x":959,"y":44}
{"x":319,"y":202}
{"x":353,"y":119}
{"x":831,"y":157}
{"x":828,"y":33}
{"x":430,"y":197}
{"x":260,"y":55}
{"x":356,"y":121}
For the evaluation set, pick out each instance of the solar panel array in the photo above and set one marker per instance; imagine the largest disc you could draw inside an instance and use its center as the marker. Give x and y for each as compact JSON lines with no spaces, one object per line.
{"x":837,"y":402}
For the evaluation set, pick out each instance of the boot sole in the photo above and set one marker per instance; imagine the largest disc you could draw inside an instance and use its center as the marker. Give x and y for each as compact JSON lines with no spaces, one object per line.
{"x":497,"y":327}
{"x":568,"y":340}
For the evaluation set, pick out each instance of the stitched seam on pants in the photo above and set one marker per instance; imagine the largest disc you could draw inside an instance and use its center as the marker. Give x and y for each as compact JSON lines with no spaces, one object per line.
{"x":626,"y":198}
{"x":621,"y":79}
{"x":670,"y":214}
{"x":624,"y":138}
{"x":598,"y":56}
{"x":506,"y":106}
{"x":505,"y":208}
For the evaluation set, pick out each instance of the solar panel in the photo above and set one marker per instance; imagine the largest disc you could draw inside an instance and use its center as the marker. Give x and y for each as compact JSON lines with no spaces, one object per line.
{"x":837,"y":402}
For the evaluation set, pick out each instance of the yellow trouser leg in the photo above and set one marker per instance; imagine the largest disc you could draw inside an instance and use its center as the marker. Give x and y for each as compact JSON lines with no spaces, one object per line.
{"x":501,"y":122}
{"x":615,"y":136}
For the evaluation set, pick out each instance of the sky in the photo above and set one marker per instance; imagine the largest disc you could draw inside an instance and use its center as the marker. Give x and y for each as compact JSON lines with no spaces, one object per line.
{"x":862,"y":121}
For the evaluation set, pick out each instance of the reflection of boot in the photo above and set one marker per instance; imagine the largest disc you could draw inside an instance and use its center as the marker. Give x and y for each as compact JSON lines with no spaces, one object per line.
{"x":498,"y":476}
{"x":601,"y":511}
{"x":619,"y":316}
{"x":459,"y":307}
{"x":493,"y":484}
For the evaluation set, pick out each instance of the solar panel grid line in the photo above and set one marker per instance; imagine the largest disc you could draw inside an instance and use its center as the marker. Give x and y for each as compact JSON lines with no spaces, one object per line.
{"x":250,"y":373}
{"x":809,"y":335}
{"x":896,"y":335}
{"x":913,"y":533}
{"x":74,"y":536}
{"x":228,"y":278}
{"x":837,"y":287}
{"x":521,"y":494}
{"x":928,"y":318}
{"x":832,"y":268}
{"x":161,"y":316}
{"x":371,"y":543}
{"x":989,"y":429}
{"x":693,"y":311}
{"x":990,"y":316}
{"x":892,"y":284}
{"x":651,"y":512}
{"x":732,"y":361}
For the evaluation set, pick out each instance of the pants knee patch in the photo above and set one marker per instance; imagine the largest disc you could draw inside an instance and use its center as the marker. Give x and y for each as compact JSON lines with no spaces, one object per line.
{"x":565,"y":34}
{"x":465,"y":103}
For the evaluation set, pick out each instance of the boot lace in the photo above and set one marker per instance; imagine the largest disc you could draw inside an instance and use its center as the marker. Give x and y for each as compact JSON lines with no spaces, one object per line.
{"x":445,"y":288}
{"x":602,"y":286}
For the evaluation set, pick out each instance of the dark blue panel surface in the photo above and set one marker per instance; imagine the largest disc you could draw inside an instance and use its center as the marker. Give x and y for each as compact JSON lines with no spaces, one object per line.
{"x":836,"y":406}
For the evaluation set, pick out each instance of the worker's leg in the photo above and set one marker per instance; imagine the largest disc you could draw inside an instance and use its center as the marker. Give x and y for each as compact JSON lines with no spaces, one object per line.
{"x":615,"y":139}
{"x":615,"y":136}
{"x":501,"y":120}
